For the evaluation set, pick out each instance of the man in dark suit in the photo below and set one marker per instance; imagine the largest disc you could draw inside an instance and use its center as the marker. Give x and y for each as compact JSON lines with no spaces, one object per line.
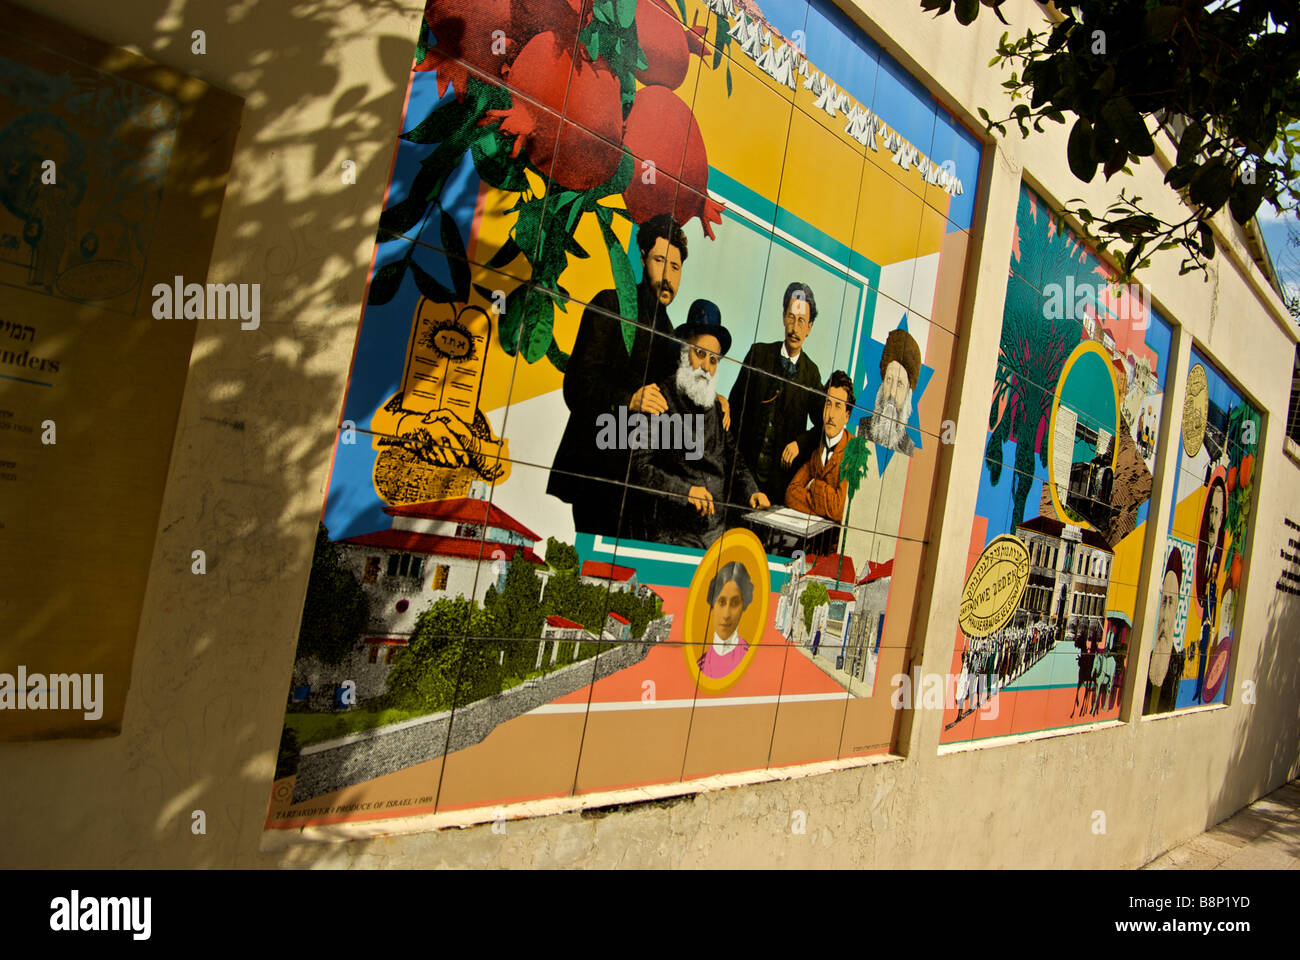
{"x":777,"y":396}
{"x":605,"y":373}
{"x":688,"y":506}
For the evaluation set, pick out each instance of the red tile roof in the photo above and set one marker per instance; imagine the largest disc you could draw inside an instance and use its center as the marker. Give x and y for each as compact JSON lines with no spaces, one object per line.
{"x":839,"y":594}
{"x":833,"y":566}
{"x":558,"y":621}
{"x":463,"y":510}
{"x":388,"y":641}
{"x":435,"y":546}
{"x":607,"y":571}
{"x":618,"y":617}
{"x":876,"y":571}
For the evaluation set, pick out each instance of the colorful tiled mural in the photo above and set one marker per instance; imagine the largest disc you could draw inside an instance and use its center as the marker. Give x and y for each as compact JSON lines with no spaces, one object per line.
{"x":1201,"y":579}
{"x":1061,"y":516}
{"x":633,"y":477}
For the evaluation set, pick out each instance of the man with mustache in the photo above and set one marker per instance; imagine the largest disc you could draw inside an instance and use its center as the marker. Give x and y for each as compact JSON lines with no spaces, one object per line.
{"x":684,"y":498}
{"x":606,"y":372}
{"x":777,"y":395}
{"x":816,"y":487}
{"x":900,"y":365}
{"x":1166,"y":669}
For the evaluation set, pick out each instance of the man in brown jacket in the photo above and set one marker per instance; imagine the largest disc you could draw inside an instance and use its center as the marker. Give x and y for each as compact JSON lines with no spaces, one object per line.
{"x":816,"y":486}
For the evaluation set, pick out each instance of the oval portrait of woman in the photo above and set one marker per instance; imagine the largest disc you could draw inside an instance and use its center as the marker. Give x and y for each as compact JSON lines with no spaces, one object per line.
{"x":726,"y":610}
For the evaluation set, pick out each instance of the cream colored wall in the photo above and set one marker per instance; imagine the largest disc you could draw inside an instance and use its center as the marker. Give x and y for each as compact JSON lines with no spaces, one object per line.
{"x":206,"y":702}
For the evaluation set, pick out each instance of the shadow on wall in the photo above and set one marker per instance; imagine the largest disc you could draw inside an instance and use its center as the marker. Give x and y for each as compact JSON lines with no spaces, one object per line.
{"x":254,"y":438}
{"x":1267,"y":753}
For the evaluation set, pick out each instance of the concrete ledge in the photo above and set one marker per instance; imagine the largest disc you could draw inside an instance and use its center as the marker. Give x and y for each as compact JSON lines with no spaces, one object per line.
{"x":274,"y":840}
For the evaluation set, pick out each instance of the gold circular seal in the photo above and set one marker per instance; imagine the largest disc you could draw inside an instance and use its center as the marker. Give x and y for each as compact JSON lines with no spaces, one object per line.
{"x":1196,"y":408}
{"x":994,"y":587}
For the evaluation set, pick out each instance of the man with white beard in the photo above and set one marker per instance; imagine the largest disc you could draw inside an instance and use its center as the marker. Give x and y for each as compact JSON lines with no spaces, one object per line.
{"x":900,"y":365}
{"x":682,"y":500}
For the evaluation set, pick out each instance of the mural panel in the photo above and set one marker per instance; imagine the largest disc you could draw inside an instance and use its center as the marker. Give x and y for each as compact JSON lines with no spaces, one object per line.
{"x":1061,"y":516}
{"x":633,"y":478}
{"x":1202,"y":582}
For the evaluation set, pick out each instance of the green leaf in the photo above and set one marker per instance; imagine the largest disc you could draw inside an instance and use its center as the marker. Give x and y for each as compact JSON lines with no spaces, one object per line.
{"x":384,"y":284}
{"x":967,"y":11}
{"x":528,"y":225}
{"x":539,"y":321}
{"x":431,"y":288}
{"x":559,"y":359}
{"x":1127,"y":127}
{"x":1207,"y":240}
{"x":508,"y":252}
{"x":496,"y":168}
{"x":457,"y":258}
{"x":681,"y":6}
{"x":512,"y":320}
{"x":1079,"y":151}
{"x":1158,"y":24}
{"x":624,"y":282}
{"x":625,"y":13}
{"x":442,"y":122}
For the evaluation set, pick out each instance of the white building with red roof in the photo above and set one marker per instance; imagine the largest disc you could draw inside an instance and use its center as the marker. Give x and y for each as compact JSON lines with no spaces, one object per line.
{"x":600,"y":574}
{"x":437,"y":550}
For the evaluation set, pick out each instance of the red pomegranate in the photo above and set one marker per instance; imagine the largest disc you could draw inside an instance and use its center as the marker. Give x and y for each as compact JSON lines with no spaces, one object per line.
{"x":1234,"y":572}
{"x":588,"y":154}
{"x":564,"y":18}
{"x":1247,"y":467}
{"x":465,"y":33}
{"x":663,"y":38}
{"x":662,"y":130}
{"x":1232,"y":479}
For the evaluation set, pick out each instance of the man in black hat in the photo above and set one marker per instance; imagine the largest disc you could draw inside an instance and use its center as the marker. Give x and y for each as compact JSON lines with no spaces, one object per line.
{"x":606,"y":373}
{"x":776,"y":397}
{"x":685,"y":490}
{"x":900,"y":366}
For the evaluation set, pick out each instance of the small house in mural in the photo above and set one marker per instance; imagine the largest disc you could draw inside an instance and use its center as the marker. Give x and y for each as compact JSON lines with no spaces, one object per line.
{"x":433,"y":551}
{"x":618,"y":579}
{"x":560,"y":630}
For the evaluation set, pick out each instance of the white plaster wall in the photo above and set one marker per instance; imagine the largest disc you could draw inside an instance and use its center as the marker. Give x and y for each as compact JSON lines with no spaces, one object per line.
{"x":215,"y":653}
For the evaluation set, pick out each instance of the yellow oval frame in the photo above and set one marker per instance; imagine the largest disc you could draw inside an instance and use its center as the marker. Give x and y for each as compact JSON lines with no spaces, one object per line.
{"x":979,"y":573}
{"x":736,"y":544}
{"x":1088,"y":346}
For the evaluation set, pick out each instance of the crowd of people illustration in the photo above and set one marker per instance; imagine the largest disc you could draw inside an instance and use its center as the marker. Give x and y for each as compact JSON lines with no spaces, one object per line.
{"x":990,"y":664}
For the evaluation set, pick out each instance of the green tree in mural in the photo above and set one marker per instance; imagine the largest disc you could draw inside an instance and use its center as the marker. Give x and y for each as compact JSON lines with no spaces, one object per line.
{"x":336,"y":609}
{"x":857,"y":455}
{"x":560,"y":555}
{"x":516,"y":609}
{"x":813,"y":596}
{"x":426,"y":676}
{"x":1033,"y":349}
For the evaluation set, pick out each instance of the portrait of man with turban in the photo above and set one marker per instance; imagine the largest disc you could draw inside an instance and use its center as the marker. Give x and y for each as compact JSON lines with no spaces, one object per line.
{"x":900,"y":366}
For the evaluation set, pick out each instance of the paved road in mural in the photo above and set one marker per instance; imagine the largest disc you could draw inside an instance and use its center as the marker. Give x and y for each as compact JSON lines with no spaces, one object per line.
{"x":640,"y":435}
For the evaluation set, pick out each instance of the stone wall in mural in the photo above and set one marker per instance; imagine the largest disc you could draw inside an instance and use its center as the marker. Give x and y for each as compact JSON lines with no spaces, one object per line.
{"x":1061,"y":515}
{"x":1201,"y":581}
{"x":633,"y":476}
